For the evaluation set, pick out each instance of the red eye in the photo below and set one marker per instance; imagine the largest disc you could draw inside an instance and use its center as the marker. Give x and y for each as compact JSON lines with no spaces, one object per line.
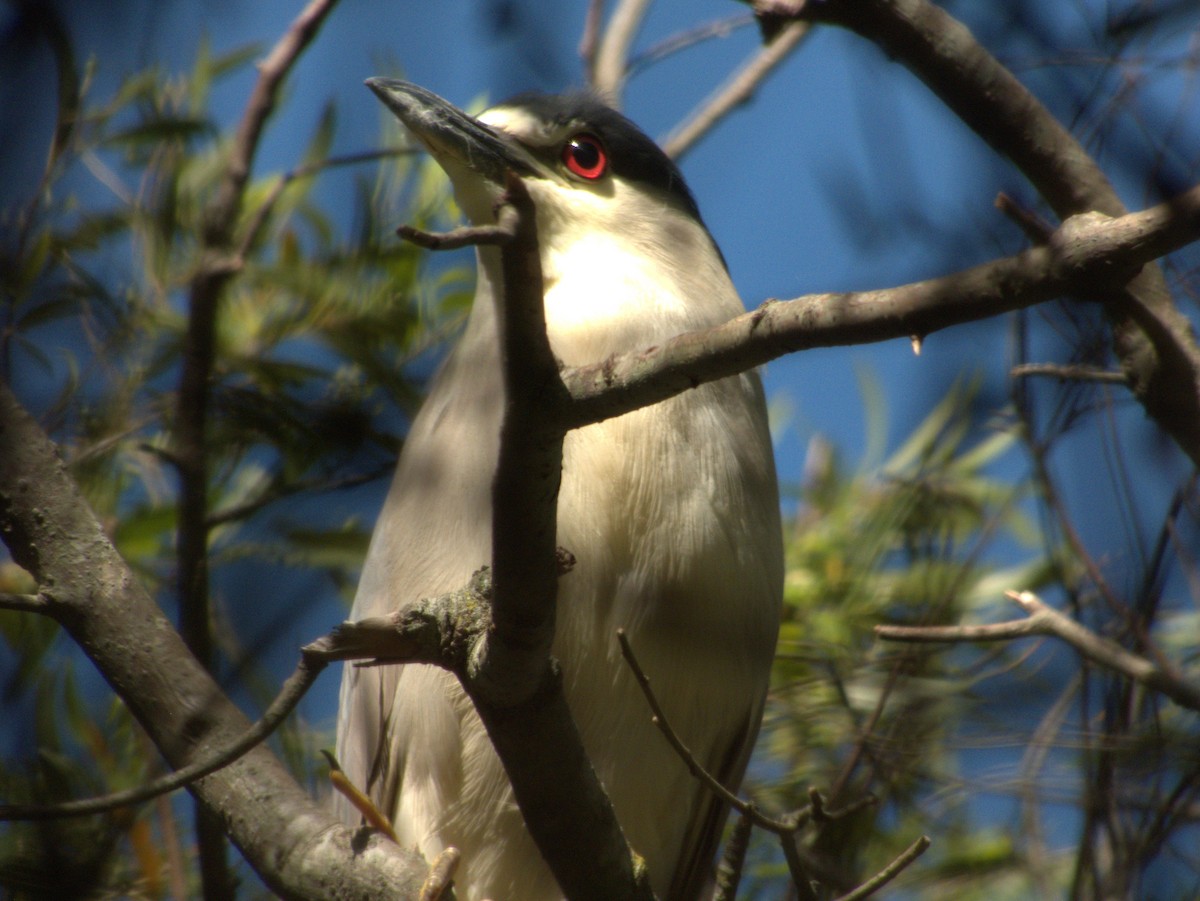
{"x":584,"y":155}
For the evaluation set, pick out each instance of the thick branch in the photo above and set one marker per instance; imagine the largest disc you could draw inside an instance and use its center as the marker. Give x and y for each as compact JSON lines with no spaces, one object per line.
{"x":515,"y":685}
{"x":294,"y":845}
{"x":1084,"y":250}
{"x":1153,"y":339}
{"x":497,"y":641}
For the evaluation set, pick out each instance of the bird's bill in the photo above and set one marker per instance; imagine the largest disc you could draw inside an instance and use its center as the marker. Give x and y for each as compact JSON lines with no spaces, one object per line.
{"x":451,"y":134}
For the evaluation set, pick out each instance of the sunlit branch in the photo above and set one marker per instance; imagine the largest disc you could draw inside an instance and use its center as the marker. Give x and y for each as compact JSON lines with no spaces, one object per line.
{"x":1046,"y":621}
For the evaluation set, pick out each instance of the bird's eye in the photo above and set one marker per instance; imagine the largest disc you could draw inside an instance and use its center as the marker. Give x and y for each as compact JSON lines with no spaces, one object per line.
{"x":585,"y":156}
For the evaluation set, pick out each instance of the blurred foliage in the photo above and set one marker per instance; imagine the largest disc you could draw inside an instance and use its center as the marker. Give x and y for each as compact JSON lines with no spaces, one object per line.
{"x":905,"y":540}
{"x":317,"y":335}
{"x":934,"y":535}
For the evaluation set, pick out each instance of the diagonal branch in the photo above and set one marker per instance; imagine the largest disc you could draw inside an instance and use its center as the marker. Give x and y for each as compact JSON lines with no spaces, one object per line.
{"x":294,"y":688}
{"x":738,"y":89}
{"x":1153,"y":340}
{"x":1085,"y":249}
{"x":1045,"y":620}
{"x":611,"y":61}
{"x":51,"y":532}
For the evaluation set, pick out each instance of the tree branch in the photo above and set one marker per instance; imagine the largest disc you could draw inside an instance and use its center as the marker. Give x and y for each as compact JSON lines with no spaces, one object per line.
{"x":1045,"y":620}
{"x":514,"y":683}
{"x":1067,"y":372}
{"x":1085,"y":249}
{"x":24,"y":603}
{"x":496,"y":637}
{"x":736,"y":90}
{"x":294,"y":688}
{"x":1154,"y":341}
{"x":890,"y":872}
{"x":294,"y":845}
{"x":611,"y":60}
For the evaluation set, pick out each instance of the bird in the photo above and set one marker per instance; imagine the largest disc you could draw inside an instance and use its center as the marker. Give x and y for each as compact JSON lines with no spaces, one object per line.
{"x":671,"y":511}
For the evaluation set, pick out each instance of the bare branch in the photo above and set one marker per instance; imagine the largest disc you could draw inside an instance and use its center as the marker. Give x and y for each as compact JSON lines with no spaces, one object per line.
{"x":589,"y":40}
{"x":612,"y":54}
{"x":1084,"y":249}
{"x":1045,"y":620}
{"x":466,"y":236}
{"x":890,"y":872}
{"x":272,"y":71}
{"x":294,"y":688}
{"x":729,"y":872}
{"x":688,"y":38}
{"x":1153,"y":339}
{"x":24,"y":603}
{"x":738,"y":89}
{"x":796,"y":869}
{"x":219,"y":261}
{"x":294,"y":844}
{"x":1068,"y":372}
{"x":745,"y":808}
{"x":277,"y":492}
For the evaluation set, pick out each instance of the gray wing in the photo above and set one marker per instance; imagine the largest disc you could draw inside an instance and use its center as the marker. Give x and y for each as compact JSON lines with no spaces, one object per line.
{"x":399,"y":724}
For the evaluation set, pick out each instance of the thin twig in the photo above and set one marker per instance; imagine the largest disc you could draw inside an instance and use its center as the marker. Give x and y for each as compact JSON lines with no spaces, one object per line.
{"x":297,"y":684}
{"x":1036,"y":229}
{"x":589,"y":40}
{"x":1045,"y":620}
{"x":729,"y":873}
{"x":796,"y":869}
{"x":738,"y":89}
{"x":1065,"y":372}
{"x":466,"y":236}
{"x":24,"y":603}
{"x":612,"y":54}
{"x":890,"y":872}
{"x":683,"y":40}
{"x":274,"y":493}
{"x":745,"y":808}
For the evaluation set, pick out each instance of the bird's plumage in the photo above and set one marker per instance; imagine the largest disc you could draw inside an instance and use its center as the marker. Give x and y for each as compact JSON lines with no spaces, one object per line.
{"x":671,"y":511}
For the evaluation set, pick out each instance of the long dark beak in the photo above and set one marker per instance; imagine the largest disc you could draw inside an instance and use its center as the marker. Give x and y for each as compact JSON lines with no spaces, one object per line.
{"x":449,"y":132}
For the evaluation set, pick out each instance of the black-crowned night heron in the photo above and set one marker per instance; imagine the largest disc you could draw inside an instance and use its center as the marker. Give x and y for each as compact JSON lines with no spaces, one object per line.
{"x":671,"y":511}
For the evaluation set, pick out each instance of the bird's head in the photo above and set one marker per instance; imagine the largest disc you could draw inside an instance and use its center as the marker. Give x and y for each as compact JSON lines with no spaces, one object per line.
{"x":589,"y":169}
{"x":626,"y":259}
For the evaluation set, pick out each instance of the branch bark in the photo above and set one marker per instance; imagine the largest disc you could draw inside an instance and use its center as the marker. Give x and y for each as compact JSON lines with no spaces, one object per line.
{"x":294,"y":845}
{"x":736,"y":90}
{"x":1153,"y":340}
{"x":1045,"y":620}
{"x":1086,"y":249}
{"x":511,"y":678}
